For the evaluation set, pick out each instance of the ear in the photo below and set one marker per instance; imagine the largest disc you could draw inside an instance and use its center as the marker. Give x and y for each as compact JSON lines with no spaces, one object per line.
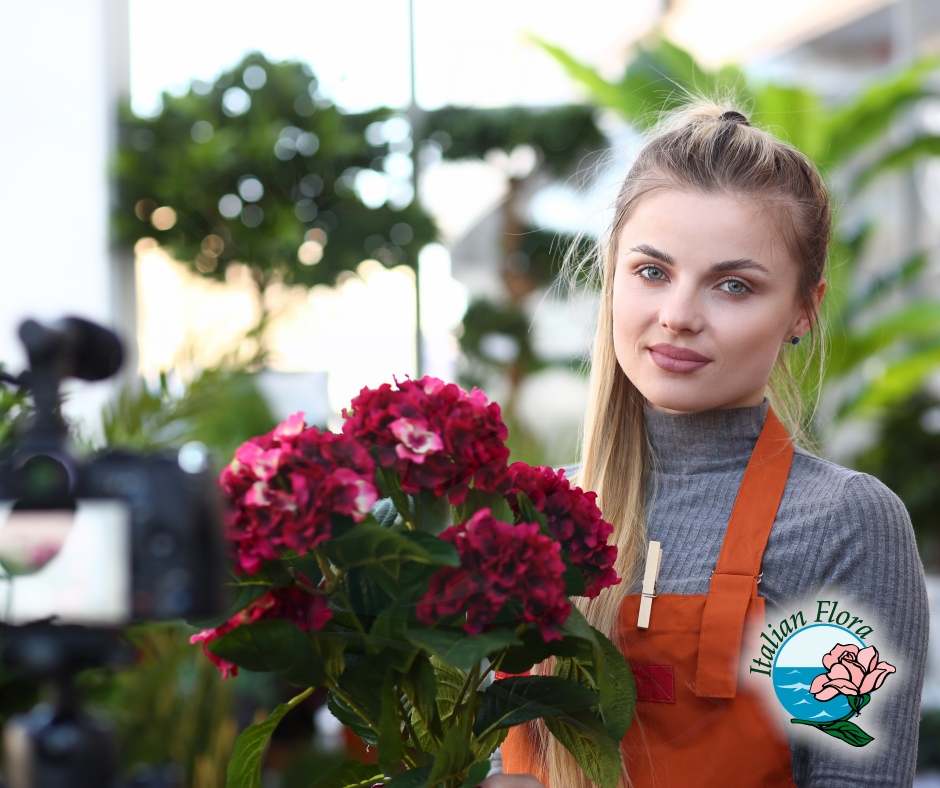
{"x":806,"y":319}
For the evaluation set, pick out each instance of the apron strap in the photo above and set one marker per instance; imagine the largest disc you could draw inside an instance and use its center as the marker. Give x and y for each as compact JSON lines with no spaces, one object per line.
{"x":734,"y":582}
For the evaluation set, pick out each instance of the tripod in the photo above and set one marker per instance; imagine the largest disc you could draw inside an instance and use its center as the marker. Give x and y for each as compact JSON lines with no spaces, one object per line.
{"x":56,"y":745}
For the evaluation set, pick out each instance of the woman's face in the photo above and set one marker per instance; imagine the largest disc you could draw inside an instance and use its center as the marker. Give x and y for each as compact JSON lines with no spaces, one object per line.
{"x":705,"y":296}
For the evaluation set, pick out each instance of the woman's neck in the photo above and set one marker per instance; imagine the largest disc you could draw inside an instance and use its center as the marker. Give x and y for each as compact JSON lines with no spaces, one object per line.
{"x":688,"y":443}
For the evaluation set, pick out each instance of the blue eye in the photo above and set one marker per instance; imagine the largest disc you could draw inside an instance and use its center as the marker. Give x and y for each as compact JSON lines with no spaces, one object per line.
{"x":735,"y":287}
{"x":652,"y":272}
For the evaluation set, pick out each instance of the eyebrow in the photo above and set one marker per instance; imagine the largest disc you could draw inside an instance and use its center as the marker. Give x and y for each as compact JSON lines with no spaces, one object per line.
{"x":742,"y":263}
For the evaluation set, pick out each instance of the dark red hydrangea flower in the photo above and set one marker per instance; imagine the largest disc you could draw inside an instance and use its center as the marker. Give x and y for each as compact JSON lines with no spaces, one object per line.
{"x":435,"y":435}
{"x":573,"y":519}
{"x":308,"y":611}
{"x":286,"y":484}
{"x":500,"y":565}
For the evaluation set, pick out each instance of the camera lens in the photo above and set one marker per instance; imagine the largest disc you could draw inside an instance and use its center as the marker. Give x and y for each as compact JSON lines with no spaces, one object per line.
{"x":44,"y":477}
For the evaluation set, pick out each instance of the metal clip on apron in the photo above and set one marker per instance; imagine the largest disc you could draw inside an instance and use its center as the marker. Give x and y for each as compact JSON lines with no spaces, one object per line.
{"x":693,"y":726}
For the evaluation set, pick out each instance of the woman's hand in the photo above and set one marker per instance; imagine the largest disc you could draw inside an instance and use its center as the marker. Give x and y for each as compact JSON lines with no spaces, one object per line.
{"x":511,"y":781}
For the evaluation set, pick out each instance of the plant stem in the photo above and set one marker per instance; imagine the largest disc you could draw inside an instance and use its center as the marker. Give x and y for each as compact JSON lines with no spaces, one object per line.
{"x":324,"y":565}
{"x":412,"y":735}
{"x":334,"y":587}
{"x":459,"y":704}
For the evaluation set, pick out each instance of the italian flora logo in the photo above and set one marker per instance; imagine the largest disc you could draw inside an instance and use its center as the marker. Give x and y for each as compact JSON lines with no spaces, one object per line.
{"x":824,"y":676}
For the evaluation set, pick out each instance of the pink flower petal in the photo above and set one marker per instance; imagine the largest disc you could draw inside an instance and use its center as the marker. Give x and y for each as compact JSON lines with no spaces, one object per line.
{"x":827,"y":694}
{"x":856,"y":674}
{"x":290,"y":427}
{"x":257,"y":495}
{"x":818,"y":683}
{"x":876,"y":678}
{"x":835,"y":655}
{"x":840,"y":671}
{"x":867,"y":658}
{"x":415,"y":436}
{"x":844,"y":686}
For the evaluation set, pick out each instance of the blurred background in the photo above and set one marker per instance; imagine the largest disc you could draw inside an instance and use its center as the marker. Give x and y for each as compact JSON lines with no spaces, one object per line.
{"x":277,"y":204}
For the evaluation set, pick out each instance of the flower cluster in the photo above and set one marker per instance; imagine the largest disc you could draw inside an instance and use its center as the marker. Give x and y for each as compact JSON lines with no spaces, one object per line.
{"x":501,"y":566}
{"x":433,"y":434}
{"x":285,"y":486}
{"x":573,"y":519}
{"x":307,"y":611}
{"x":850,"y":672}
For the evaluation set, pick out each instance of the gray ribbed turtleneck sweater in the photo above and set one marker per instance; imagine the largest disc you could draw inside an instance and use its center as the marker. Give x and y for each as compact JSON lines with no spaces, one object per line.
{"x":839,"y":535}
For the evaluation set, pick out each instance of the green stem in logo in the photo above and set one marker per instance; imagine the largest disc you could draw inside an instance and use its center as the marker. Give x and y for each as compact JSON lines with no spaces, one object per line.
{"x":841,"y":728}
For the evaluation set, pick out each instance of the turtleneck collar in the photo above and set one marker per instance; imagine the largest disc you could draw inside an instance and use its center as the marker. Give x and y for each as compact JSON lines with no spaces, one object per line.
{"x":688,"y":443}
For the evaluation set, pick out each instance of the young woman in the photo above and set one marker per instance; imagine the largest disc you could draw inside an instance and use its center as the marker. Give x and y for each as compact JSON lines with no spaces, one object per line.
{"x":712,"y":273}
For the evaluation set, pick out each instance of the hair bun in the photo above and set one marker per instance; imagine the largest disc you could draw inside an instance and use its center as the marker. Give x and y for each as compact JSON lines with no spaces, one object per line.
{"x":734,"y":116}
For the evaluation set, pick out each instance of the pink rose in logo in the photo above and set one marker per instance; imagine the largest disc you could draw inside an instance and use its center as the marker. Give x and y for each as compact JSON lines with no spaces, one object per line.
{"x":851,"y":672}
{"x":855,"y":674}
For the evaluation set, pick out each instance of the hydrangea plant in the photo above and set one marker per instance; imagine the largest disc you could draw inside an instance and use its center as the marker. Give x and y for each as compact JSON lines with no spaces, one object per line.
{"x":402,"y":564}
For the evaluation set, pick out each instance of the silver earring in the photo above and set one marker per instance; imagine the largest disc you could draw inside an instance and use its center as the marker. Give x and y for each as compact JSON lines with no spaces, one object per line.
{"x":794,"y":340}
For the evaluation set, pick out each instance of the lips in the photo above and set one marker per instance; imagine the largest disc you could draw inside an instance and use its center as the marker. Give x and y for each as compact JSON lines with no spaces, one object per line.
{"x":677,"y":359}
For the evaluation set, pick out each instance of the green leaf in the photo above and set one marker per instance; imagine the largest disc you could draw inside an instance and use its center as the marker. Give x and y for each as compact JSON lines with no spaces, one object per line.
{"x":391,"y":746}
{"x":617,"y":689}
{"x":573,"y":577}
{"x":529,"y":514}
{"x":413,"y":778}
{"x":601,"y":91}
{"x":576,"y":626}
{"x":453,"y":757}
{"x":244,"y":769}
{"x":273,"y":646}
{"x":385,"y":513}
{"x":480,"y":499}
{"x":898,"y":380}
{"x":369,"y":544}
{"x":366,"y":595}
{"x":518,"y":699}
{"x":457,"y":648}
{"x":862,"y":118}
{"x":350,"y":774}
{"x":363,"y":681}
{"x":534,"y":649}
{"x":432,"y":514}
{"x":849,"y":732}
{"x":595,"y":750}
{"x":400,"y":500}
{"x":387,"y":637}
{"x":903,"y":274}
{"x":420,"y":687}
{"x":443,"y":553}
{"x":449,"y":684}
{"x":899,"y":158}
{"x":342,"y":711}
{"x":476,"y":775}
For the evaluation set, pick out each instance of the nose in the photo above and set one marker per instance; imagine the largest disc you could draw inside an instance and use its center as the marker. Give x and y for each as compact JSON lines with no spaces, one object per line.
{"x":681,"y":311}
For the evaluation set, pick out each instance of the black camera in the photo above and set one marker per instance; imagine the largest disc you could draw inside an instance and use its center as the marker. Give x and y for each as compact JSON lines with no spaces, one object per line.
{"x":87,"y":547}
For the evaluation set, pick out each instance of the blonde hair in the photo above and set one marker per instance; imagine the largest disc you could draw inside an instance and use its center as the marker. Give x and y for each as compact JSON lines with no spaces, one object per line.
{"x":704,"y":148}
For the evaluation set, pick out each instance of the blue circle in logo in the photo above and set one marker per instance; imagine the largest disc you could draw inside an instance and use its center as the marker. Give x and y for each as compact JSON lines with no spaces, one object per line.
{"x":799,"y":661}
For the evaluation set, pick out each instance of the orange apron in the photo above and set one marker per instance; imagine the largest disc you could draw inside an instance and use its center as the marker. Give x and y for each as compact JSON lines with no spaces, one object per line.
{"x":693,"y":726}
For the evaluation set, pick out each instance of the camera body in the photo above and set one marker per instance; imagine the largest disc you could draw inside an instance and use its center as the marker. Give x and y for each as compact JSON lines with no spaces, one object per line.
{"x":123,"y":537}
{"x":148,"y":545}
